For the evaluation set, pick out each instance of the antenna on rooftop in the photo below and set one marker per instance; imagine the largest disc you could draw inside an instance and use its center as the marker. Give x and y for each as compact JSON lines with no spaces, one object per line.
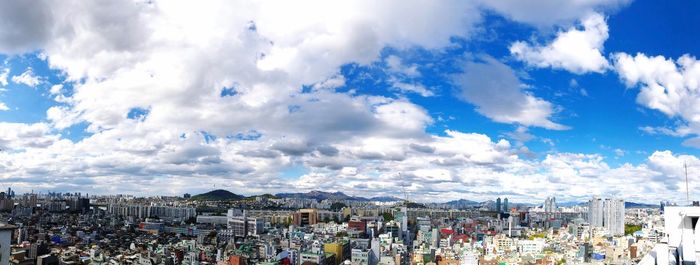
{"x":403,"y":187}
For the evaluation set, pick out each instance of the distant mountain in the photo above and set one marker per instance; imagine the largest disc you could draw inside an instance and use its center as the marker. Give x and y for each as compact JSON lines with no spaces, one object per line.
{"x":385,"y":199}
{"x":340,"y":196}
{"x":462,"y":203}
{"x":627,"y":204}
{"x":217,"y":195}
{"x":639,"y":205}
{"x":320,"y":195}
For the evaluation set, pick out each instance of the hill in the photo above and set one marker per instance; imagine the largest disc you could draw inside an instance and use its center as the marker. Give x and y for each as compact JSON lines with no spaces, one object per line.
{"x":339,"y":196}
{"x":639,"y":205}
{"x":462,"y":203}
{"x":217,"y":195}
{"x":320,"y":195}
{"x":385,"y":199}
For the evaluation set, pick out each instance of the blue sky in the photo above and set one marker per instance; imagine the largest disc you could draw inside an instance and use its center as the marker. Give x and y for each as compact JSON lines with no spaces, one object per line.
{"x":466,"y":100}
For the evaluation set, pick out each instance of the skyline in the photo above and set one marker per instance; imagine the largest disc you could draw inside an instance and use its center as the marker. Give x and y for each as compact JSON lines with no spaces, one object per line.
{"x":465,"y":100}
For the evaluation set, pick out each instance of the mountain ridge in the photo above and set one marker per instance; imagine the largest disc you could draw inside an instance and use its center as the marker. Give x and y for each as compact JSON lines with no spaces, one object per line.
{"x":337,"y":195}
{"x":221,"y":194}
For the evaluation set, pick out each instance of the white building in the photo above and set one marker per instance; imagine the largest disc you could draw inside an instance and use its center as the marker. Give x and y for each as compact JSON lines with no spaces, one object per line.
{"x":614,"y":218}
{"x":211,"y":219}
{"x":242,"y":225}
{"x":360,"y":256}
{"x":682,"y":242}
{"x":595,"y":212}
{"x":6,"y":231}
{"x":608,"y":214}
{"x":469,"y":258}
{"x":550,"y":205}
{"x":531,"y":246}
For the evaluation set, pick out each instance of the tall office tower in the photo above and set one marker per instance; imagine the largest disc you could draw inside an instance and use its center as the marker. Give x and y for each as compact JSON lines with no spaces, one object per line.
{"x":498,"y":204}
{"x":595,"y":212}
{"x":614,"y":219}
{"x":404,"y":225}
{"x":505,"y":205}
{"x":550,"y":205}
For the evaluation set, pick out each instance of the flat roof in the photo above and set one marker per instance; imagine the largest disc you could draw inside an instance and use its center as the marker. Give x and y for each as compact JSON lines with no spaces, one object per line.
{"x":7,"y":226}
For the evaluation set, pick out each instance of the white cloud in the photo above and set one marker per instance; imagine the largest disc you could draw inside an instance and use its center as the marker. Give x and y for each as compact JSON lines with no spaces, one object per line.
{"x":575,"y":50}
{"x":177,"y":65}
{"x":27,"y":78}
{"x":498,"y":94}
{"x":619,"y":152}
{"x":681,"y":131}
{"x":22,"y":136}
{"x":25,"y":26}
{"x":412,"y":88}
{"x":396,"y":66}
{"x":548,"y":13}
{"x":56,"y":89}
{"x":671,"y":87}
{"x":521,"y":135}
{"x":3,"y":107}
{"x":3,"y":76}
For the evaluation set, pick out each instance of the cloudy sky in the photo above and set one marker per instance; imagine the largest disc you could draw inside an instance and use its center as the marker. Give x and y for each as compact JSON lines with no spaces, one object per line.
{"x":443,"y":99}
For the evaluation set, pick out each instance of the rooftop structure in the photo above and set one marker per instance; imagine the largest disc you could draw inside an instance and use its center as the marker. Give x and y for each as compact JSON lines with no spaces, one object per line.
{"x":681,"y":244}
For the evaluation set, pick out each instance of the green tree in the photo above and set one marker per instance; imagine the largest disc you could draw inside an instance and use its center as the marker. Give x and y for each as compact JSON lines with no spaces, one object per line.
{"x":388,"y":217}
{"x":337,"y":206}
{"x":630,"y":229}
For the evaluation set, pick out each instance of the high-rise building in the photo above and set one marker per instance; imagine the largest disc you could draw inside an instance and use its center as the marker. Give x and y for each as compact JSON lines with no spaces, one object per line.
{"x":595,"y":212}
{"x":498,"y":204}
{"x":550,"y":205}
{"x":505,"y":205}
{"x":614,"y":219}
{"x":402,"y":215}
{"x":608,"y":213}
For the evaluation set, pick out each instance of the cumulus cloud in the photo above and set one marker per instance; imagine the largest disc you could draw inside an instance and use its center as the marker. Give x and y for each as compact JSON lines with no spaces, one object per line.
{"x":3,"y":76}
{"x":26,"y":26}
{"x":23,"y":136}
{"x":575,"y":50}
{"x":3,"y":107}
{"x":498,"y":94}
{"x":56,"y":89}
{"x":669,"y":86}
{"x":175,"y":65}
{"x":548,"y":13}
{"x":268,"y":132}
{"x":27,"y":78}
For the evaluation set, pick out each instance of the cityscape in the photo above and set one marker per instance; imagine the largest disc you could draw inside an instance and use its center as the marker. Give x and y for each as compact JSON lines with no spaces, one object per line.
{"x":360,"y":132}
{"x":220,"y":227}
